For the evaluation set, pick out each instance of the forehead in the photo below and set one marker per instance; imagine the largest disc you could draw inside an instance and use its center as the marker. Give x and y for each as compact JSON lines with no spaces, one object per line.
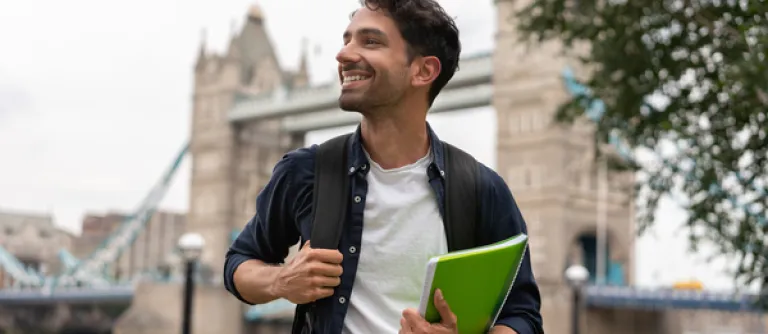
{"x":366,"y":19}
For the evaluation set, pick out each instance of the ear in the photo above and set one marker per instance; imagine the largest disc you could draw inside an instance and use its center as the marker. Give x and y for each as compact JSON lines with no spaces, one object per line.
{"x":427,"y":69}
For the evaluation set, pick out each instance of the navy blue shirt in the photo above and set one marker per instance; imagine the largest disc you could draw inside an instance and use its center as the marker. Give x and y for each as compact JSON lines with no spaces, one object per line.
{"x":284,"y":217}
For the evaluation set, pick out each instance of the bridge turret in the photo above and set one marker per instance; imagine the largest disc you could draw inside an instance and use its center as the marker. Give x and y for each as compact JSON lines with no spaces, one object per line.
{"x":551,"y":169}
{"x":226,"y":156}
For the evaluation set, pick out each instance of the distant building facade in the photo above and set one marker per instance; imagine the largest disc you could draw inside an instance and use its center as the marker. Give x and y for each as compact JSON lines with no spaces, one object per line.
{"x":37,"y":243}
{"x":95,"y":229}
{"x":151,"y":251}
{"x":34,"y":240}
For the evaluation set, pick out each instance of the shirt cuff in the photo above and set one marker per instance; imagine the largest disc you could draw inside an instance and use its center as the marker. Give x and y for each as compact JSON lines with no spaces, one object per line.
{"x":234,"y":261}
{"x":520,"y":325}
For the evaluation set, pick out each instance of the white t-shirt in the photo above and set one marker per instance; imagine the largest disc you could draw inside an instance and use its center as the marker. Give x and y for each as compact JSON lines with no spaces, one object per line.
{"x":402,"y":229}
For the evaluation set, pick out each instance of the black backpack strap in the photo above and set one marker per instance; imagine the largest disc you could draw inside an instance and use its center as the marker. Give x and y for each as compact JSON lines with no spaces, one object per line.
{"x":331,"y":192}
{"x":329,"y":210}
{"x":461,"y":188}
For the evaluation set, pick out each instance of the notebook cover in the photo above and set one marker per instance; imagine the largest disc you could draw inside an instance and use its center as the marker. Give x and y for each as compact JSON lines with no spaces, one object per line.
{"x":475,"y":282}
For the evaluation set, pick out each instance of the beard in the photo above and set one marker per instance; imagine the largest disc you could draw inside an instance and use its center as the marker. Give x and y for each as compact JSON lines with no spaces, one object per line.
{"x":379,"y":93}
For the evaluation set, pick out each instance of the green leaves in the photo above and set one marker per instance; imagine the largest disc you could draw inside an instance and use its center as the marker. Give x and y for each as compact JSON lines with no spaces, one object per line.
{"x":686,"y":77}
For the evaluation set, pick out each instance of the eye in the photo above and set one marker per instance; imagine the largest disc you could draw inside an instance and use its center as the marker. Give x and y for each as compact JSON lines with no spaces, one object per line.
{"x":371,"y":41}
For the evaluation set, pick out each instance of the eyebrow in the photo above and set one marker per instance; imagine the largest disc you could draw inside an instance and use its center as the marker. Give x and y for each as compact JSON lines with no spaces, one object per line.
{"x":366,"y":31}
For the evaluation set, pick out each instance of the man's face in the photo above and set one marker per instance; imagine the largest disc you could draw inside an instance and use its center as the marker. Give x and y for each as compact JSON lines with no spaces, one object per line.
{"x":373,"y":64}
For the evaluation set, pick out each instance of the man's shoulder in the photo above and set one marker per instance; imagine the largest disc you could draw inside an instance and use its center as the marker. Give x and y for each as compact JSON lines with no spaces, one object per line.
{"x":487,"y":176}
{"x":296,"y":163}
{"x":302,"y":155}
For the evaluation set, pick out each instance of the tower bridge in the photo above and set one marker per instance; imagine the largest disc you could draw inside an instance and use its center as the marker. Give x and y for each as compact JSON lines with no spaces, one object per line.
{"x":247,"y":112}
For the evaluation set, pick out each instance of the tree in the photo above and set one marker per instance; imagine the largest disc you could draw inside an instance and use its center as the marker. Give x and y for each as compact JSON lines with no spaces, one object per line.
{"x":687,"y":74}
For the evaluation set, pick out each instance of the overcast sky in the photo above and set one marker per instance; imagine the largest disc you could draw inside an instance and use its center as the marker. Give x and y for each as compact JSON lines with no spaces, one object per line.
{"x":95,"y":102}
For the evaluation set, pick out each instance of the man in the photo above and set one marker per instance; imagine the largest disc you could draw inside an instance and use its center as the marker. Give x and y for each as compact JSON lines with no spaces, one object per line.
{"x":397,"y":56}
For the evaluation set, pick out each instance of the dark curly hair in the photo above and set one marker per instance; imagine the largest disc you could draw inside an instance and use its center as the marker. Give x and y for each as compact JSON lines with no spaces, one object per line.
{"x":428,"y":31}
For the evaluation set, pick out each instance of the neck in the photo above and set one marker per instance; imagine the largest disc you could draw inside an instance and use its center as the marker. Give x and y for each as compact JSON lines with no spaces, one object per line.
{"x":398,"y":139}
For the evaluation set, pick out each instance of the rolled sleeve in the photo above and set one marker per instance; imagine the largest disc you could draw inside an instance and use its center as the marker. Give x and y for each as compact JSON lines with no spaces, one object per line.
{"x":521,"y":310}
{"x":233,"y":261}
{"x":271,"y":232}
{"x":519,"y":325}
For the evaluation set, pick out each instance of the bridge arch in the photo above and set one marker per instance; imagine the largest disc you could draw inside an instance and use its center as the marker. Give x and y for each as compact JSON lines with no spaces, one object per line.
{"x":583,"y":250}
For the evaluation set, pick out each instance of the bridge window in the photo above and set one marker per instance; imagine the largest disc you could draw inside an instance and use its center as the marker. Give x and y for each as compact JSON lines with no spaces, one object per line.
{"x":45,"y":234}
{"x":613,"y":271}
{"x":588,"y":247}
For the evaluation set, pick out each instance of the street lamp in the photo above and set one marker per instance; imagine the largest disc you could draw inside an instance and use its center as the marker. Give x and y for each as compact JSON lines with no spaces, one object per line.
{"x":191,"y":246}
{"x":577,"y":277}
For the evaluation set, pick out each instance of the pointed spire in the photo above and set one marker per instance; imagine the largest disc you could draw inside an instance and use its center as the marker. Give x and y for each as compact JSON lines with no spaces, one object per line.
{"x":304,"y":52}
{"x":255,"y":13}
{"x":201,"y":51}
{"x":301,"y":77}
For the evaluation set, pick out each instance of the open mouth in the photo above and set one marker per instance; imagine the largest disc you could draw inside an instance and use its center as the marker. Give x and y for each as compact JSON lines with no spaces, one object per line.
{"x":354,"y":80}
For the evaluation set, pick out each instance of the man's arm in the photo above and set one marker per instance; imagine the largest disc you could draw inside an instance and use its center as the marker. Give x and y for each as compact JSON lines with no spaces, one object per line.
{"x":521,"y":311}
{"x":255,"y":281}
{"x":252,"y":261}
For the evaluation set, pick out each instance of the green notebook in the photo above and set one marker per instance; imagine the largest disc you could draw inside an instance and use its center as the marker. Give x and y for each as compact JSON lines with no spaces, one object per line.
{"x":475,"y":282}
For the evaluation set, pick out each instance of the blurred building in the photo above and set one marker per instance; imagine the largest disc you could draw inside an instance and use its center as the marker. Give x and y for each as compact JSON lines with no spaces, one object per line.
{"x":95,"y":229}
{"x":38,"y":243}
{"x":149,"y":253}
{"x":34,"y":240}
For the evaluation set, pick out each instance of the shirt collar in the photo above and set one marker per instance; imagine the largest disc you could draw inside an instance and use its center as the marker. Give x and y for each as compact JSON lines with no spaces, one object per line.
{"x":358,"y":162}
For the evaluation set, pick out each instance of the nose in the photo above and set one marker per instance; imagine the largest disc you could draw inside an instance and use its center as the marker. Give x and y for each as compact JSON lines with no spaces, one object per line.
{"x":347,"y":54}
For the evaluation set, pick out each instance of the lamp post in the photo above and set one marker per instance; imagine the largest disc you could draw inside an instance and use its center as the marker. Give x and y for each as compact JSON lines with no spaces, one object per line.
{"x":191,"y":246}
{"x":577,"y":277}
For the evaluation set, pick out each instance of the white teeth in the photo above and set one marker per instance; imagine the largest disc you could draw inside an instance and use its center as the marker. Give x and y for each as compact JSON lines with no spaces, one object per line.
{"x":354,"y":78}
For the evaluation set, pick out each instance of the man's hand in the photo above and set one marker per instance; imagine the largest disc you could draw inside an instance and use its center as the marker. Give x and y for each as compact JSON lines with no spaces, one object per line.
{"x":412,"y":322}
{"x":309,"y":276}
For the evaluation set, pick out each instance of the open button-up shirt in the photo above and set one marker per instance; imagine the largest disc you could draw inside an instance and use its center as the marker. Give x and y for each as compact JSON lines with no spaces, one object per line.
{"x":284,"y":216}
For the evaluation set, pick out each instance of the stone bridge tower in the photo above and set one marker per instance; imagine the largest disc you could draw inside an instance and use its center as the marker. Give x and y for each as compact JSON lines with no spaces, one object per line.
{"x":551,"y":171}
{"x":232,"y":163}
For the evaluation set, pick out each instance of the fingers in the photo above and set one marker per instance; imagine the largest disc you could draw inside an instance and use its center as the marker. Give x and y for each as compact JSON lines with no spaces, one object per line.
{"x":332,"y":256}
{"x":314,"y":294}
{"x":324,"y":269}
{"x":405,"y":328}
{"x":447,"y":318}
{"x":325,"y":281}
{"x":321,"y":293}
{"x":414,"y":322}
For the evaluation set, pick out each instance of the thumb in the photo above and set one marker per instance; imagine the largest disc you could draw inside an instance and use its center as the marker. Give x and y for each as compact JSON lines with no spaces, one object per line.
{"x":447,"y":318}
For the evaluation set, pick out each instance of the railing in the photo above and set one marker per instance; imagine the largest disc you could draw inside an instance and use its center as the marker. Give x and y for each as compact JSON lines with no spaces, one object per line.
{"x":662,"y":299}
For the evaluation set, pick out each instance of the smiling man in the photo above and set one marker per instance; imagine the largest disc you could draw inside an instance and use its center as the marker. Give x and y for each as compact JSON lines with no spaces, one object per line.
{"x":396,"y":58}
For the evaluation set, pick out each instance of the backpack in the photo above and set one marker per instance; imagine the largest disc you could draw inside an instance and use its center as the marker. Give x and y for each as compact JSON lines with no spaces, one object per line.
{"x":330,"y":205}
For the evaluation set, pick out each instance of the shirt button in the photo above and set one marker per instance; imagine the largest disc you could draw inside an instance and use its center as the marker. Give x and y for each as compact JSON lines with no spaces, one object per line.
{"x":352,"y":249}
{"x":363,"y":167}
{"x":357,"y":199}
{"x":351,"y":169}
{"x":342,"y":300}
{"x":442,"y":173}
